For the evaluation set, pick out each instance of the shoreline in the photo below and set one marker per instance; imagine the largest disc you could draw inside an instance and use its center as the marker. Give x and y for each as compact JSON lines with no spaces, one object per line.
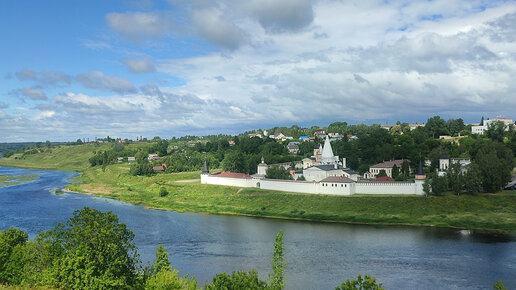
{"x":142,"y":194}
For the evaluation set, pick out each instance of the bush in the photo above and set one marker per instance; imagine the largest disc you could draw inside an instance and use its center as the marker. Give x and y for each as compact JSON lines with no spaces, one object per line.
{"x":163,"y":192}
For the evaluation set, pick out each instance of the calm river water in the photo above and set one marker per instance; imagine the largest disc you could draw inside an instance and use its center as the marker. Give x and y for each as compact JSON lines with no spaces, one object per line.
{"x":319,"y":255}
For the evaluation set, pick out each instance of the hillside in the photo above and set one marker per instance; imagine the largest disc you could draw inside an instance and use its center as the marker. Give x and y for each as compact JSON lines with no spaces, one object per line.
{"x":65,"y":157}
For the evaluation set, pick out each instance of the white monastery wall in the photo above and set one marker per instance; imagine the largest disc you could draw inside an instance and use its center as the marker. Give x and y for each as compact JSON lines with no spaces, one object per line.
{"x":389,"y":188}
{"x":230,"y":181}
{"x":293,"y":186}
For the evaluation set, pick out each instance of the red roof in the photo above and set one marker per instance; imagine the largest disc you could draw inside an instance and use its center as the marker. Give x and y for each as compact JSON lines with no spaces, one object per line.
{"x":341,"y":179}
{"x":384,"y":179}
{"x":158,"y":168}
{"x":232,"y":174}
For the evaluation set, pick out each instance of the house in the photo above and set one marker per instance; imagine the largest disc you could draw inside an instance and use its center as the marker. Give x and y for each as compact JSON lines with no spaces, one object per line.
{"x":303,"y":138}
{"x":131,"y":159}
{"x":251,"y":135}
{"x":278,"y":136}
{"x":386,"y":166}
{"x":231,"y":142}
{"x":445,"y":162}
{"x":153,"y":157}
{"x":293,"y":148}
{"x":482,"y":128}
{"x":320,"y":134}
{"x":120,"y":159}
{"x":334,"y":136}
{"x":158,"y":168}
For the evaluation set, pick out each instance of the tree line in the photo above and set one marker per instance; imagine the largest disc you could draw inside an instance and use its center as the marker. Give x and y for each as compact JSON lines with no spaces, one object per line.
{"x":92,"y":250}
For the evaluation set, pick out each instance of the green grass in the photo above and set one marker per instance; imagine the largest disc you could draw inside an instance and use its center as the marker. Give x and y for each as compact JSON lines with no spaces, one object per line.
{"x":492,"y":212}
{"x":70,"y":158}
{"x":14,"y":180}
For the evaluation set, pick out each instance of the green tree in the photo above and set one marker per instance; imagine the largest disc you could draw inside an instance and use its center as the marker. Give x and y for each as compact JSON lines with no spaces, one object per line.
{"x":495,"y":162}
{"x":427,"y":186}
{"x":163,"y":192}
{"x":236,"y":281}
{"x":436,"y":126}
{"x":405,"y":168}
{"x":472,"y":179}
{"x":278,"y":172}
{"x":276,"y":277}
{"x":395,"y":171}
{"x":301,"y":178}
{"x":495,"y":131}
{"x":234,"y":161}
{"x":439,"y":185}
{"x":170,"y":280}
{"x":381,"y":173}
{"x":499,"y":285}
{"x":455,"y":178}
{"x":161,"y":263}
{"x":366,"y":283}
{"x":10,"y":239}
{"x":95,"y":251}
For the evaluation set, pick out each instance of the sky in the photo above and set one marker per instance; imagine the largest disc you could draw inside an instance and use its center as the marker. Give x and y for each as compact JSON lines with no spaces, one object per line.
{"x":124,"y":68}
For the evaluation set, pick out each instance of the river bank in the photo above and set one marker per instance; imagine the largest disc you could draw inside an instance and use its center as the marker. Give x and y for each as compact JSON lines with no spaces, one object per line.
{"x":484,"y":212}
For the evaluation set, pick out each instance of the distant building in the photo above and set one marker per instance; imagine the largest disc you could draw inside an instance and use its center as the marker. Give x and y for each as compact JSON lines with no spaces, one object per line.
{"x":386,"y":166}
{"x":293,"y":148}
{"x":131,"y":159}
{"x":303,"y":138}
{"x":251,"y":135}
{"x":153,"y":157}
{"x":445,"y":162}
{"x":482,"y":128}
{"x":320,"y":134}
{"x":158,"y":168}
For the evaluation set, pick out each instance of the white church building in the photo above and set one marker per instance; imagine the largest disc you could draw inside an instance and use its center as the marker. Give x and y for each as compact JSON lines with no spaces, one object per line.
{"x":330,"y":176}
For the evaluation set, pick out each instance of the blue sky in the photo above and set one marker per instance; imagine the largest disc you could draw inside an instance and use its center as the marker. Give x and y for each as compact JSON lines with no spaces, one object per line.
{"x":85,"y":69}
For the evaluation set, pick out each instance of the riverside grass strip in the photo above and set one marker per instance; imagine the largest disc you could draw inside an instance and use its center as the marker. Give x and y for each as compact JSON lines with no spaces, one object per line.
{"x":488,"y":212}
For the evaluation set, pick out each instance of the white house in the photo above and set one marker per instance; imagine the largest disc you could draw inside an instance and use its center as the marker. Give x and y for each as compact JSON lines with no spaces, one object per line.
{"x":386,"y":166}
{"x":445,"y":162}
{"x":482,"y":128}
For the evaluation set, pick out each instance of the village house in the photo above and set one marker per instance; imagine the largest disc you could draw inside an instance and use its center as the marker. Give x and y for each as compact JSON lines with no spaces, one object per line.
{"x":445,"y":162}
{"x":386,"y":166}
{"x":153,"y":157}
{"x":131,"y":159}
{"x":320,"y":134}
{"x":482,"y":128}
{"x":292,"y":148}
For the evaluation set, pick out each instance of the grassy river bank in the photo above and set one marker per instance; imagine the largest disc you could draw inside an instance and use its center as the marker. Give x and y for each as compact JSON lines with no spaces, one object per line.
{"x":488,"y":212}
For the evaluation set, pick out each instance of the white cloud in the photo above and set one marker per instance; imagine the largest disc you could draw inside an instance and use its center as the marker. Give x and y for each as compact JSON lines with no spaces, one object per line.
{"x":279,"y":16}
{"x":140,"y":65}
{"x":44,"y":78}
{"x":99,"y":80}
{"x":138,"y":26}
{"x":215,"y":27}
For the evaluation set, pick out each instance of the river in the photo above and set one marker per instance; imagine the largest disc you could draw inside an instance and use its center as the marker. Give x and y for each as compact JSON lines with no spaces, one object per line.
{"x":319,"y":255}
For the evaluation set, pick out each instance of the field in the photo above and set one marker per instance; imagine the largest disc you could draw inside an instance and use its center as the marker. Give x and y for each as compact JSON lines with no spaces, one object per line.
{"x":493,"y":212}
{"x":69,"y":158}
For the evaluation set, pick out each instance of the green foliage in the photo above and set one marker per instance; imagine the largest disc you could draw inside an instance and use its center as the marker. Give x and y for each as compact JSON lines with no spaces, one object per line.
{"x":495,"y":131}
{"x":163,"y":192}
{"x":499,"y":285}
{"x":278,"y":172}
{"x":236,"y":281}
{"x":366,"y":283}
{"x":142,"y":165}
{"x":381,"y":173}
{"x":93,"y":250}
{"x":395,"y":171}
{"x":11,"y":241}
{"x":234,"y":161}
{"x":439,"y":185}
{"x":301,"y":178}
{"x":170,"y":280}
{"x":161,"y":263}
{"x":495,"y":162}
{"x":277,"y":276}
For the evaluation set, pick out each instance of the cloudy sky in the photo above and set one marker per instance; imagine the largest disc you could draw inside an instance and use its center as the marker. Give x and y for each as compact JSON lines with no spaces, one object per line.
{"x":123,"y":68}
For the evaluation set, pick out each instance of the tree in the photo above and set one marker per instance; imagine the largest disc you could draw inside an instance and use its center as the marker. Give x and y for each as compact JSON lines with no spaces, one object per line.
{"x":94,"y":250}
{"x":276,"y":278}
{"x":495,"y":131}
{"x":436,"y":126}
{"x":278,"y":172}
{"x":405,"y":168}
{"x":161,"y":263}
{"x":439,"y":185}
{"x":499,"y":285}
{"x":495,"y":162}
{"x":395,"y":171}
{"x":142,"y":165}
{"x":427,"y":187}
{"x":366,"y":283}
{"x":455,"y":178}
{"x":301,"y":178}
{"x":472,"y":179}
{"x":9,"y":240}
{"x":170,"y":280}
{"x":234,"y":161}
{"x":381,"y":173}
{"x":237,"y":280}
{"x":163,"y":192}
